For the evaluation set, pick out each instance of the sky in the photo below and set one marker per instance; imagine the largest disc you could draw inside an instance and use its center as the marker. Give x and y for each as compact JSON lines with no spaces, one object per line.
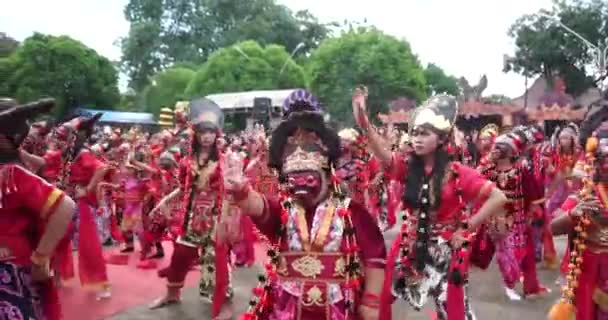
{"x":464,"y":37}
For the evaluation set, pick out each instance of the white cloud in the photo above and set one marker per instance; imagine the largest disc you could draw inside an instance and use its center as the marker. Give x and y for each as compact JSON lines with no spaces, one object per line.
{"x":466,"y":38}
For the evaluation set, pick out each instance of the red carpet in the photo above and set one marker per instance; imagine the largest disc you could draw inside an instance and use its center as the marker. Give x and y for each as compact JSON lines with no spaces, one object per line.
{"x":130,"y":287}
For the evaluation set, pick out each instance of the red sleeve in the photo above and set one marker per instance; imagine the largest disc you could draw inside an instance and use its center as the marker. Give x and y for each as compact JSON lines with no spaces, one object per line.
{"x":35,"y":193}
{"x":369,"y":237}
{"x":398,"y":167}
{"x":182,"y":171}
{"x":475,"y":188}
{"x":90,"y":161}
{"x":569,"y":204}
{"x":373,"y":166}
{"x":533,"y":191}
{"x":270,"y":220}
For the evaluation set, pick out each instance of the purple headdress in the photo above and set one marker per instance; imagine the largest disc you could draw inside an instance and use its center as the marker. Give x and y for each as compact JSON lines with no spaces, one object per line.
{"x":301,"y":101}
{"x":302,"y":111}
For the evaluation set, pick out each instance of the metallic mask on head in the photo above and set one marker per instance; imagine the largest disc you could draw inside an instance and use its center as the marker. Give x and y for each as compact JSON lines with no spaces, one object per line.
{"x":438,"y":113}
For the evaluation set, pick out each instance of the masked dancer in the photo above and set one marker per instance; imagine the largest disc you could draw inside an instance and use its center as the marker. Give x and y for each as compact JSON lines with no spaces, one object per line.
{"x":327,"y":259}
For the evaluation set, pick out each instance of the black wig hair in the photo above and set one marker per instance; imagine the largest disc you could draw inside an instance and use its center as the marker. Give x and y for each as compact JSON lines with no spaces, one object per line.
{"x":309,"y":121}
{"x":416,"y":177}
{"x":196,"y":148}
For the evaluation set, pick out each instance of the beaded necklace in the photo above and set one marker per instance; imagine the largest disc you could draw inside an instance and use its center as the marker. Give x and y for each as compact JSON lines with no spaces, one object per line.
{"x":581,"y":222}
{"x":260,"y":306}
{"x":418,"y":256}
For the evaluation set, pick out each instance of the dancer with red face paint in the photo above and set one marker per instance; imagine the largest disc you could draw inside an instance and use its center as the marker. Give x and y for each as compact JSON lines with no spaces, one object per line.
{"x":428,"y":260}
{"x":327,"y":258}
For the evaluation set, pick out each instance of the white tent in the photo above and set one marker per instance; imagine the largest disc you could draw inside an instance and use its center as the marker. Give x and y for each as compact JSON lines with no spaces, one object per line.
{"x":244,"y":100}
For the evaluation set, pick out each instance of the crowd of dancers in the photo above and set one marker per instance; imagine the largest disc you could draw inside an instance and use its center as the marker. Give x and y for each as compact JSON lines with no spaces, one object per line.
{"x":460,"y":192}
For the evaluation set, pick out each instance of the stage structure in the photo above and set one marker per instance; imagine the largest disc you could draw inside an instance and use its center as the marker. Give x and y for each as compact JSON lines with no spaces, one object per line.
{"x":244,"y":109}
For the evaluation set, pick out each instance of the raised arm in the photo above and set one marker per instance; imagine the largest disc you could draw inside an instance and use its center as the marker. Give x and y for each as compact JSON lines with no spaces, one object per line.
{"x":377,"y":144}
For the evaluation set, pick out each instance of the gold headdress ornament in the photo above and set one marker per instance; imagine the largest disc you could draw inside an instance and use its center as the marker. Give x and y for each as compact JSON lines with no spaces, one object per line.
{"x":165,"y":118}
{"x":438,"y":112}
{"x":489,"y":131}
{"x":348,"y":134}
{"x":305,"y":160}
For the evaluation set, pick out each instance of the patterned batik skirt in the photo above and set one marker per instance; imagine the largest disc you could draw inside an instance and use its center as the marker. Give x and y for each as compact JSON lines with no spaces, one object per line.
{"x":19,"y":298}
{"x":431,"y":283}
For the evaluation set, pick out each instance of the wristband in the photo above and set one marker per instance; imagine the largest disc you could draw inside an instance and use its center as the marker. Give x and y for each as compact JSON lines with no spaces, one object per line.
{"x":370,"y":300}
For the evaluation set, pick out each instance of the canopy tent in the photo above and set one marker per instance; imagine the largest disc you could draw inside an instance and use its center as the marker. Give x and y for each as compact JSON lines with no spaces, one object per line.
{"x":243,"y":101}
{"x":120,"y":117}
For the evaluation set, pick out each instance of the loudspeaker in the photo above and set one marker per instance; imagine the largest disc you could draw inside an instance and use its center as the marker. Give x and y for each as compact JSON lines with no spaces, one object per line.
{"x":262,"y":105}
{"x":262,"y":111}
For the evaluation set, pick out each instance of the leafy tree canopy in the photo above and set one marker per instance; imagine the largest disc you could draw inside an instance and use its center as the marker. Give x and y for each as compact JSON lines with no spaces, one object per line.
{"x":545,"y":48}
{"x":365,"y":56}
{"x":62,"y":68}
{"x":165,"y":32}
{"x":439,"y":82}
{"x":7,"y":45}
{"x":247,"y":66}
{"x":166,"y":88}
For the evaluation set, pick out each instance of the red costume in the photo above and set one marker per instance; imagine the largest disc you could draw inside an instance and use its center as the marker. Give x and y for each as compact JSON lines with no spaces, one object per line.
{"x":322,"y":242}
{"x":26,"y":204}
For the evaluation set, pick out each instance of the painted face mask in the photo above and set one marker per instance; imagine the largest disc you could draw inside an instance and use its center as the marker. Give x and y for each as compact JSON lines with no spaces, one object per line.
{"x":304,"y":165}
{"x":305,"y":185}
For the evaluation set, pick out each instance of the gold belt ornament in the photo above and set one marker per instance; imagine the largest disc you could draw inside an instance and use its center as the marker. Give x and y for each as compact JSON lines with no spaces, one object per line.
{"x":308,"y":266}
{"x":314,"y":297}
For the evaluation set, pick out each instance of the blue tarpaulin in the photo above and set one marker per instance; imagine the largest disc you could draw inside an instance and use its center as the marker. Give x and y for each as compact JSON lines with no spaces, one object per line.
{"x":110,"y":116}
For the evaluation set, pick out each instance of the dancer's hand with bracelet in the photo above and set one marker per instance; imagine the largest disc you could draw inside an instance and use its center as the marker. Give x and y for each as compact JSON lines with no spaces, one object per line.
{"x":369,"y":308}
{"x":41,"y":267}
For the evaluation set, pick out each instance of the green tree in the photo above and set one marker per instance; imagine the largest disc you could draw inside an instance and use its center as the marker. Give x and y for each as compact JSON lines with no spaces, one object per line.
{"x":496,"y":99}
{"x":166,"y":89}
{"x":7,"y":45}
{"x":439,"y":82}
{"x":165,"y":32}
{"x":129,"y":102}
{"x":365,"y":56}
{"x":246,"y":66}
{"x":62,"y":68}
{"x":545,"y":48}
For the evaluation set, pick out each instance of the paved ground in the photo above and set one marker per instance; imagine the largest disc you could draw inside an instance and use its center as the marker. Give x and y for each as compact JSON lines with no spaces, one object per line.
{"x":486,"y":290}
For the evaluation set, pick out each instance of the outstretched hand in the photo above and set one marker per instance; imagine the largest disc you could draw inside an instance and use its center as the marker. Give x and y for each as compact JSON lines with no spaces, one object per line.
{"x":359,"y":103}
{"x":234,"y":177}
